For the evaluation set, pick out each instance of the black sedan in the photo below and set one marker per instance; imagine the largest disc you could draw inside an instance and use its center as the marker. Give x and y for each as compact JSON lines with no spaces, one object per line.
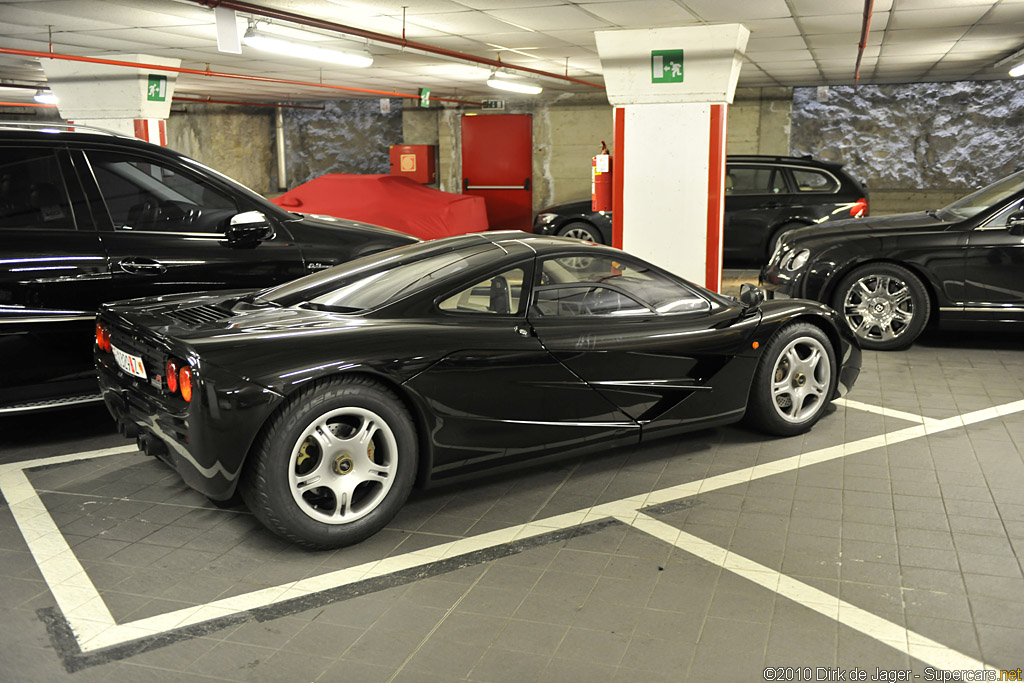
{"x":764,"y":197}
{"x":325,"y":399}
{"x":87,"y":216}
{"x":961,"y":266}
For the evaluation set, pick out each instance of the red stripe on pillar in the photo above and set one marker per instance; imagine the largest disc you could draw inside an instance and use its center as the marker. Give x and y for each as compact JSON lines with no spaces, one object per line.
{"x":618,"y":176}
{"x":141,"y":130}
{"x":716,"y":199}
{"x":163,"y":132}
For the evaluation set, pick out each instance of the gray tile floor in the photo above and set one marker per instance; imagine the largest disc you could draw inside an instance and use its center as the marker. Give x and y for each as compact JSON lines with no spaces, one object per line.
{"x":900,"y":553}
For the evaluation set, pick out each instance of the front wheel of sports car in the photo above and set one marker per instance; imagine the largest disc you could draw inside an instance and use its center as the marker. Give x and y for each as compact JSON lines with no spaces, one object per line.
{"x":334,"y":466}
{"x":885,"y":305}
{"x":794,"y":381}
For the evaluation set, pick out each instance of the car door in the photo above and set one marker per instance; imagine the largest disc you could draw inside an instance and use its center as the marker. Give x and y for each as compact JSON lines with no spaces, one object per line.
{"x":756,"y":199}
{"x":501,"y":396}
{"x":650,"y":343}
{"x":994,"y":269}
{"x":164,"y":228}
{"x":53,"y":275}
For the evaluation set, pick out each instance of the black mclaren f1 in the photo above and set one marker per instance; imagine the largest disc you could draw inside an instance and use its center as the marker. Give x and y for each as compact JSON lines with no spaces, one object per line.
{"x":324,"y":400}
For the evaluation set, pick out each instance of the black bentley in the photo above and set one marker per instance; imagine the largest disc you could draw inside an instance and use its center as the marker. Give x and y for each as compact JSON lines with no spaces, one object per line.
{"x":324,"y":399}
{"x":960,"y":266}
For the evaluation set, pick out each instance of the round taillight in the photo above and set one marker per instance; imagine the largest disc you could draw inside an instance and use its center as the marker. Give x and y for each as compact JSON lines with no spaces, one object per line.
{"x":185,"y":383}
{"x":859,"y":208}
{"x":102,"y":337}
{"x":171,"y":371}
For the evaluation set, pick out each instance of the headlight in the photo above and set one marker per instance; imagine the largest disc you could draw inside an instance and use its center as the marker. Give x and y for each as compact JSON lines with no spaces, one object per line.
{"x":545,"y":218}
{"x":798,"y":259}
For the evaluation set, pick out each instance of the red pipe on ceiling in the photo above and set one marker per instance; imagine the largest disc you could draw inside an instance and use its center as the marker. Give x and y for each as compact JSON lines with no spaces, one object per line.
{"x":220,"y":74}
{"x":272,"y":13}
{"x":869,"y":6}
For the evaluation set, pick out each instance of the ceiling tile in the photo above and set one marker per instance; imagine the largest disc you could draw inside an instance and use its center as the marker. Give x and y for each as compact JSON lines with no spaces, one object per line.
{"x":506,"y":4}
{"x":771,"y":44}
{"x":841,"y":40}
{"x":924,"y":36}
{"x":929,"y":48}
{"x":641,"y":13}
{"x":938,"y":18}
{"x":817,"y":8}
{"x":547,"y":19}
{"x":518,"y":39}
{"x":1003,"y":14}
{"x":469,"y":22}
{"x":738,"y":10}
{"x":842,"y":23}
{"x":772,"y":28}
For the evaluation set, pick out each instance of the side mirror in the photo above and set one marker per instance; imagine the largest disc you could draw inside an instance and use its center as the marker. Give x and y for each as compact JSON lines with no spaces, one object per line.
{"x":1015,"y":223}
{"x":247,"y":229}
{"x":751,"y":296}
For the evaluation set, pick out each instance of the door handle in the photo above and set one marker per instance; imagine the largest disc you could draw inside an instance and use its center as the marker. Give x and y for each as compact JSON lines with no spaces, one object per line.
{"x":138,"y":265}
{"x":498,"y":187}
{"x":772,"y":205}
{"x":523,"y":330}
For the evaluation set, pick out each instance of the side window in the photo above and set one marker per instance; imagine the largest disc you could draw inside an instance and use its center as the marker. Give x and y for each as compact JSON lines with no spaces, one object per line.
{"x":604,"y":285}
{"x":998,"y":221}
{"x":146,"y":195}
{"x":32,"y":191}
{"x":814,"y":181}
{"x":753,"y":180}
{"x":497,"y":295}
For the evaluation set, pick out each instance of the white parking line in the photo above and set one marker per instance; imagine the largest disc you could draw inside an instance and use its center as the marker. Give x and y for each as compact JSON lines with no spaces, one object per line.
{"x":887,"y":412}
{"x":94,"y":628}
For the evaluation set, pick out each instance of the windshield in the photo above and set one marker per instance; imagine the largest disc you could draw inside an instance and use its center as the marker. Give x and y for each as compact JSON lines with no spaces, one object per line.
{"x":374,"y":280}
{"x":984,"y":198}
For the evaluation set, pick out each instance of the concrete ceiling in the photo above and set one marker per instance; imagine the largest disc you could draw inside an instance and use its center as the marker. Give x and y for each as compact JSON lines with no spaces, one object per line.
{"x":792,"y":42}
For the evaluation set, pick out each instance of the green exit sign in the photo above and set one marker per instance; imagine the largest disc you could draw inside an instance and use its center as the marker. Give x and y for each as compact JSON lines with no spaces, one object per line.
{"x":666,"y":66}
{"x":156,"y":91}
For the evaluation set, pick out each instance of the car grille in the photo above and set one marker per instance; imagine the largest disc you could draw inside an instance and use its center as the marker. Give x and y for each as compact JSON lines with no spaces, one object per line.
{"x":199,"y":315}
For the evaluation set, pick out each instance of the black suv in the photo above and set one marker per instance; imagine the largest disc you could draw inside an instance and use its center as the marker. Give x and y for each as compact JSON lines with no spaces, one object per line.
{"x":90,"y":216}
{"x":764,"y":197}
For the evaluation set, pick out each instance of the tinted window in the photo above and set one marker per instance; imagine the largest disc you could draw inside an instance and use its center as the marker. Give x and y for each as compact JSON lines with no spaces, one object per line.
{"x":984,"y":198}
{"x":497,"y":295}
{"x":32,"y":191}
{"x":604,"y":285}
{"x":753,"y":180}
{"x":145,"y":195}
{"x":814,"y":181}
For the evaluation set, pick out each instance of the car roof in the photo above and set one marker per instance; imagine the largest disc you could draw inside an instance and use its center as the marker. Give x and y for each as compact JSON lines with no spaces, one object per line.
{"x":48,"y":132}
{"x":804,"y":160}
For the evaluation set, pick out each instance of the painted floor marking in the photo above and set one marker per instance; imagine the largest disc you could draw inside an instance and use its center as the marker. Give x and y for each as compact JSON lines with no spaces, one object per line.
{"x":94,"y":627}
{"x":885,"y":412}
{"x":899,"y":637}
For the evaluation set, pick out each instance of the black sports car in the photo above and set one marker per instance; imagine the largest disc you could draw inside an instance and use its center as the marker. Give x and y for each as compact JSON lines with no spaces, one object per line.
{"x":764,"y":197}
{"x":961,"y":266}
{"x":324,"y":399}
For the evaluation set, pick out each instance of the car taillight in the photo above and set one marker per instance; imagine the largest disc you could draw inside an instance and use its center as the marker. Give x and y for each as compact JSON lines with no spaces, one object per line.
{"x":859,"y":208}
{"x":102,"y":337}
{"x":171,"y":371}
{"x":185,"y":383}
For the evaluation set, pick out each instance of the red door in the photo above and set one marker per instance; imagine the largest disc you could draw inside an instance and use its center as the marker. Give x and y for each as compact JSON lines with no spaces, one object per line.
{"x":497,"y":164}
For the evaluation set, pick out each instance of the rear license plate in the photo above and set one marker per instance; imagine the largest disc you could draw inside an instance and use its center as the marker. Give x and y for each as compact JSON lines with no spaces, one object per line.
{"x":129,"y":363}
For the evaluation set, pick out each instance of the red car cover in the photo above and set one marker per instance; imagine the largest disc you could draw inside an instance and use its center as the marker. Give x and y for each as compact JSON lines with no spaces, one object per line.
{"x":389,"y":201}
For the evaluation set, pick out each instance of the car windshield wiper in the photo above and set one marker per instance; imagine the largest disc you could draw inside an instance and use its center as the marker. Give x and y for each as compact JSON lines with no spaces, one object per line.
{"x":934,"y":213}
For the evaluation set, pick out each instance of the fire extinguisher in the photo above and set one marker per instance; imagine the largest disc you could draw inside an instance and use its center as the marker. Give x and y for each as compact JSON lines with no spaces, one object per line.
{"x":601,"y":180}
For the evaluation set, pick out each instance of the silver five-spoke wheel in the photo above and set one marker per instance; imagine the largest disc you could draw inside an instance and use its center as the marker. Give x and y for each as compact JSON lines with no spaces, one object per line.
{"x":801,"y":379}
{"x":343,"y":465}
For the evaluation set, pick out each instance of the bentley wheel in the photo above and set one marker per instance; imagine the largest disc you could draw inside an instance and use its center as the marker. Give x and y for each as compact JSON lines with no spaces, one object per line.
{"x":794,"y":381}
{"x":335,"y":465}
{"x":580,"y":231}
{"x":885,"y":305}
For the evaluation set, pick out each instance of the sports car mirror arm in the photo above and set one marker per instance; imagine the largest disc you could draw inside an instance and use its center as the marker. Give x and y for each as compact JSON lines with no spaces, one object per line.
{"x":751,"y":296}
{"x":1015,"y":223}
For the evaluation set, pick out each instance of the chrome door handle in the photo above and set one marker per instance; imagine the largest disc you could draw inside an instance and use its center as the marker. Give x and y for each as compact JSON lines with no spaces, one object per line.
{"x":138,"y":265}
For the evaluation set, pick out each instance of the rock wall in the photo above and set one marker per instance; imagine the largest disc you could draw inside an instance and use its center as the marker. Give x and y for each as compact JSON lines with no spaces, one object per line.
{"x":346,"y":136}
{"x":940,"y":138}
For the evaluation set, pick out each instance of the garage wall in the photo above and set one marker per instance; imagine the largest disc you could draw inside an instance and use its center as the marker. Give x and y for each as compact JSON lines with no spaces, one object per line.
{"x":237,"y":141}
{"x":918,"y":146}
{"x":759,"y":121}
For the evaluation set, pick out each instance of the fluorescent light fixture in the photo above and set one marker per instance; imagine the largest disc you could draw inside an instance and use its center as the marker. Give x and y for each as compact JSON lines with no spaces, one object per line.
{"x":291,"y":48}
{"x":498,"y":81}
{"x":45,"y":97}
{"x":1017,"y":70}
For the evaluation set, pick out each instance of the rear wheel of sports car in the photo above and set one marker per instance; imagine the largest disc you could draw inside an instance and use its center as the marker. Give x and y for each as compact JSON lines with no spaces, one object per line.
{"x":885,"y":305}
{"x":794,"y":381}
{"x":335,"y":465}
{"x":581,"y":231}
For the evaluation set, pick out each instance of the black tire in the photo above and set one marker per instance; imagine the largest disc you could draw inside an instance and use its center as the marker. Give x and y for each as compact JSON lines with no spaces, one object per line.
{"x":581,"y":231}
{"x":792,"y":386}
{"x":885,"y":305}
{"x":325,"y":435}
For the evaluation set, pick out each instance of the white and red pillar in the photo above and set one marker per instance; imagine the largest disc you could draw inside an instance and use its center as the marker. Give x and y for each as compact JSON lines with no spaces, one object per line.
{"x":671,"y":89}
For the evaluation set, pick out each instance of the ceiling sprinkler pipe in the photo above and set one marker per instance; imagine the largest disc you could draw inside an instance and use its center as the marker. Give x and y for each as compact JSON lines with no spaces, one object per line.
{"x":869,"y":6}
{"x":312,"y":22}
{"x":221,"y":74}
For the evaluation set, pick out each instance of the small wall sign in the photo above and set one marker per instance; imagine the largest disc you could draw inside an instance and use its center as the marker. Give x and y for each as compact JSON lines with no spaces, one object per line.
{"x":156,"y":91}
{"x":666,"y":66}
